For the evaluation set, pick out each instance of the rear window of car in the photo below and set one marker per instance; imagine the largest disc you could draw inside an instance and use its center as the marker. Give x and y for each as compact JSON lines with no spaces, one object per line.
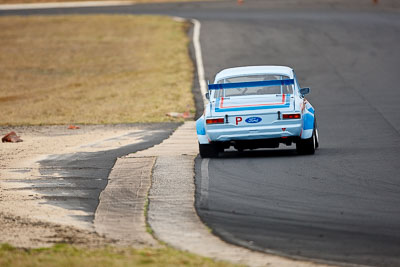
{"x":262,"y":90}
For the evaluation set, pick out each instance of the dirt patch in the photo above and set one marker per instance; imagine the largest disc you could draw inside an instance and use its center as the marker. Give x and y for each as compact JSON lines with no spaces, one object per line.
{"x":29,"y":233}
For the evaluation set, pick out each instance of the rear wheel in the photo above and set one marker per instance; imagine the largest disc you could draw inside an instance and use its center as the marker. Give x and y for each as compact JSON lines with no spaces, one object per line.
{"x":316,"y":134}
{"x":308,"y":146}
{"x":209,"y":150}
{"x":316,"y":138}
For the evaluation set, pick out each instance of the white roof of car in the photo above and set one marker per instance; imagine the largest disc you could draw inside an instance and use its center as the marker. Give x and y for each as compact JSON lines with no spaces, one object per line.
{"x":242,"y":71}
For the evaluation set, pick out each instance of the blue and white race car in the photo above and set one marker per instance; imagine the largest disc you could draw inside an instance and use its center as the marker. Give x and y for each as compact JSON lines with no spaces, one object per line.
{"x":256,"y":107}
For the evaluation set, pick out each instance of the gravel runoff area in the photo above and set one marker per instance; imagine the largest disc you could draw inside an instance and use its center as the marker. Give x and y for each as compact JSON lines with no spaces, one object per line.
{"x":25,"y":218}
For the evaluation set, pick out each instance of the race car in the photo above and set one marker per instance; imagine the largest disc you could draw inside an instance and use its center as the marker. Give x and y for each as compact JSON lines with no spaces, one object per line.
{"x":256,"y":107}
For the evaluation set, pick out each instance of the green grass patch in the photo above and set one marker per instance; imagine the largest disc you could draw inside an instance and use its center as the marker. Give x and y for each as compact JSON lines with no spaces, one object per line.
{"x":95,"y":69}
{"x":146,"y":212}
{"x":67,"y":255}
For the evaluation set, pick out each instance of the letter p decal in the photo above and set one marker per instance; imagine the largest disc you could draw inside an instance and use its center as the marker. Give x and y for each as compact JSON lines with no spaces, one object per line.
{"x":238,"y":119}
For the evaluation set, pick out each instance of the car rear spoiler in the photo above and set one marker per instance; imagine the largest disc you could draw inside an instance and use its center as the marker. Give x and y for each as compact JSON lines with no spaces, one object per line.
{"x":220,"y":86}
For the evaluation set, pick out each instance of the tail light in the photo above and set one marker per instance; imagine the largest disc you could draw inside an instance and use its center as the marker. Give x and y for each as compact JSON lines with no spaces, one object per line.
{"x":291,"y":116}
{"x":215,"y":121}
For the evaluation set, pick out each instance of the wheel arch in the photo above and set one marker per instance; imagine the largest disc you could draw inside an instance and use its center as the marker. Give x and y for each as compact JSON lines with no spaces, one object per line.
{"x":201,"y":131}
{"x":308,"y":122}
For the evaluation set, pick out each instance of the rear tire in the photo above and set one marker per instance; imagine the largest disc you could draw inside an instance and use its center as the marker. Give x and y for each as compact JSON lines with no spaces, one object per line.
{"x":308,"y":146}
{"x":316,"y":134}
{"x":208,"y":150}
{"x":316,"y":139}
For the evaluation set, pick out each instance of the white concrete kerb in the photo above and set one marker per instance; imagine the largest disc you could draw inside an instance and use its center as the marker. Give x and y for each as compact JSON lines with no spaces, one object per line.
{"x":199,"y":60}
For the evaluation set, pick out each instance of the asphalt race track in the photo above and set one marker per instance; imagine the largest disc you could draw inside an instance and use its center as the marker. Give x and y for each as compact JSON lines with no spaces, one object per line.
{"x":343,"y":203}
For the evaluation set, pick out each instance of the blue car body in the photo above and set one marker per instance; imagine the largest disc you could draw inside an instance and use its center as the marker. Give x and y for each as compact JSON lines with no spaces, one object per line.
{"x":255,"y":107}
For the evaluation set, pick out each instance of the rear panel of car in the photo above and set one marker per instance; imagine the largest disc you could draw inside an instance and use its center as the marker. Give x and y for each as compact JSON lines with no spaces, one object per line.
{"x":253,"y":116}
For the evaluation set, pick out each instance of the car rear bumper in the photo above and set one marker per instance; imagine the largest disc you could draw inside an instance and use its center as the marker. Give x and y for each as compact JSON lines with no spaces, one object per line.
{"x":223,"y":134}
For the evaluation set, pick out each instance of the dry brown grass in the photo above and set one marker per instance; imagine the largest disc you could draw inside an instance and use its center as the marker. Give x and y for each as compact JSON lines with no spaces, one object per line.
{"x":93,"y":69}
